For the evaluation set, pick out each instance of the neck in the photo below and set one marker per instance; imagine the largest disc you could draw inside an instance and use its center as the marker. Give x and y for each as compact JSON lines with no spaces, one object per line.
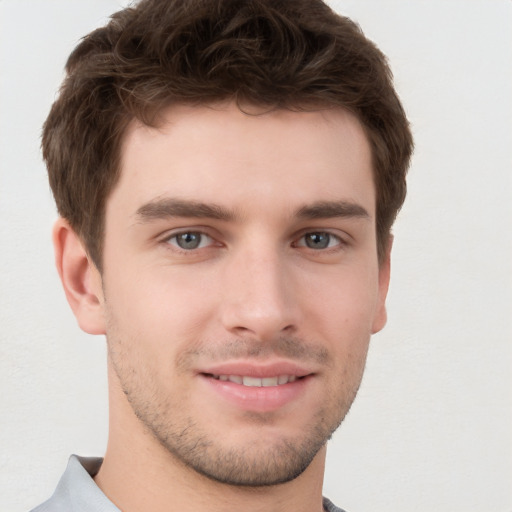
{"x":139,"y":474}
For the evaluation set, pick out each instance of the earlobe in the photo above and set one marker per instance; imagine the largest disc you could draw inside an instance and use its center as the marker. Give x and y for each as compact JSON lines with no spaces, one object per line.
{"x":80,"y":278}
{"x":381,"y":316}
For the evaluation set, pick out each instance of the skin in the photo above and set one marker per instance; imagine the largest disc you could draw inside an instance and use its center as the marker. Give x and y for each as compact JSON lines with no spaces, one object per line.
{"x":285,"y":275}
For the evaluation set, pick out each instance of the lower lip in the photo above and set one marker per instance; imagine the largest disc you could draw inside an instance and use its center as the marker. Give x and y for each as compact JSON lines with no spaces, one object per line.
{"x":258,"y":399}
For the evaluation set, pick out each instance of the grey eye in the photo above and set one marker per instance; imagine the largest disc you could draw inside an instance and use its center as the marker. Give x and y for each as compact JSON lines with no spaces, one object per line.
{"x":319,"y":240}
{"x":190,"y":240}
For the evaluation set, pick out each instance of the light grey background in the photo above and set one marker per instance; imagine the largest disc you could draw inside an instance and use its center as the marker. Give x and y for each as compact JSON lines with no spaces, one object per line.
{"x":431,"y":428}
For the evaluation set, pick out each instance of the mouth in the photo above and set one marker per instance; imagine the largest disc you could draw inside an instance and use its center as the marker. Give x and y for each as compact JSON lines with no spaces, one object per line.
{"x":256,"y":382}
{"x":264,"y":388}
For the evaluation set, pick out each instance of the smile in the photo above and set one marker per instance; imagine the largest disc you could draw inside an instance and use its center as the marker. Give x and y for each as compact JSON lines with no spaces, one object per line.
{"x":245,"y":380}
{"x":258,"y":393}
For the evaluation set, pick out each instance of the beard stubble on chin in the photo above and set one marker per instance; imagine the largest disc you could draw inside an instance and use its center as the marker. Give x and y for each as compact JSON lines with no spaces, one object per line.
{"x":260,"y":462}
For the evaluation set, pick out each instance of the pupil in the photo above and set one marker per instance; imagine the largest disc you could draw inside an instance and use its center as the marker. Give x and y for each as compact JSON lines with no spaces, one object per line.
{"x":317,"y":240}
{"x":189,"y":240}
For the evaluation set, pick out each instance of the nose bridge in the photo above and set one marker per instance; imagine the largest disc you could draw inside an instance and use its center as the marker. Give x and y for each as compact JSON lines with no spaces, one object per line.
{"x":258,"y":300}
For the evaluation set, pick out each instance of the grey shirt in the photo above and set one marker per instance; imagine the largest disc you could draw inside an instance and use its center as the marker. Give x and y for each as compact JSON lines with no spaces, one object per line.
{"x":77,"y":492}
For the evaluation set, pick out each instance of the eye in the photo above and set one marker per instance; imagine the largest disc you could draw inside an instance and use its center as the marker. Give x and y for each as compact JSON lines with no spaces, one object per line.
{"x":190,"y":240}
{"x":319,"y":240}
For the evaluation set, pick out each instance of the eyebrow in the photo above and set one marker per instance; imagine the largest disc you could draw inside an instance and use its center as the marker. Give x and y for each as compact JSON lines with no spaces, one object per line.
{"x":172,"y":207}
{"x":331,"y":209}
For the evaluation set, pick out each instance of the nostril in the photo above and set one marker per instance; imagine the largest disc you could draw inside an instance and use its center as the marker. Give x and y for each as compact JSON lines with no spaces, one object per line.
{"x":241,"y":328}
{"x":262,"y":319}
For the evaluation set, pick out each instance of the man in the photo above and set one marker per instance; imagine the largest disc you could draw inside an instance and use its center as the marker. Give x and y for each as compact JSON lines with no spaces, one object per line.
{"x":227,"y":174}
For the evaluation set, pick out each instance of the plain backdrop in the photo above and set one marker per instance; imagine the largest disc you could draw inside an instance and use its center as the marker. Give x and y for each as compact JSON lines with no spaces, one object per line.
{"x":431,"y":427}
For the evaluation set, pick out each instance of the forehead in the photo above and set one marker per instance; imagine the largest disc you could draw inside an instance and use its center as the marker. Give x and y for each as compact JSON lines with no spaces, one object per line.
{"x":221,"y":154}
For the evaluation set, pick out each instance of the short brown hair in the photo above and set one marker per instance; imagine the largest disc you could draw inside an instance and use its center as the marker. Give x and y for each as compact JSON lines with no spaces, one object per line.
{"x":276,"y":53}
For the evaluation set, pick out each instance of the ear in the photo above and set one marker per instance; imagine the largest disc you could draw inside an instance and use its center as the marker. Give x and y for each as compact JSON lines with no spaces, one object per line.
{"x":80,"y":278}
{"x":381,"y":315}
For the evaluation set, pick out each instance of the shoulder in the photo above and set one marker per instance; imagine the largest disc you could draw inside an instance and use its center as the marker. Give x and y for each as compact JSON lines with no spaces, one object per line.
{"x":54,"y":504}
{"x":76,"y":490}
{"x":47,"y":507}
{"x":329,"y":506}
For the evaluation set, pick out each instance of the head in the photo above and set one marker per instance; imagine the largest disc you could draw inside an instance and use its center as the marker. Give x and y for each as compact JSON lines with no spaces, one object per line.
{"x":283,"y":54}
{"x":231,"y":170}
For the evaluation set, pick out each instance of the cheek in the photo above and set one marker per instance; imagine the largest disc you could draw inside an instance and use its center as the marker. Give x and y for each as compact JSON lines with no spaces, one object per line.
{"x":162,"y":308}
{"x":345,"y":304}
{"x":341,"y":316}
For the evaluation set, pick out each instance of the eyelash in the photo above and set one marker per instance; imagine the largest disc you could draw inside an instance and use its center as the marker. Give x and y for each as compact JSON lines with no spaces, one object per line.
{"x":340,"y":242}
{"x":201,"y":234}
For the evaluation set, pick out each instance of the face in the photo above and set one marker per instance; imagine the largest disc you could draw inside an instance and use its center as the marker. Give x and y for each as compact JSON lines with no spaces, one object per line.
{"x":241,"y":284}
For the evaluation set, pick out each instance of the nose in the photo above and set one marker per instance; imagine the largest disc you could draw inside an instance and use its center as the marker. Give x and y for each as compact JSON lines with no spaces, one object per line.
{"x":258,"y":299}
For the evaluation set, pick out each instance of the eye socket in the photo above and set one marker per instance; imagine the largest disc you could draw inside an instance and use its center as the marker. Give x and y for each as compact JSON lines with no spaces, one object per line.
{"x":319,"y":240}
{"x":190,"y":240}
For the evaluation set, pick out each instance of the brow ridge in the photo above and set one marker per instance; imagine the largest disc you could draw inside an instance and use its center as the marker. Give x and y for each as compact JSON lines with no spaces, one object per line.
{"x":172,"y":207}
{"x":331,"y":209}
{"x":169,"y":207}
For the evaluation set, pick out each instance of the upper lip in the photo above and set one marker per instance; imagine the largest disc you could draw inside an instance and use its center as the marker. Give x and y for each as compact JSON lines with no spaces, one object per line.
{"x":254,"y":369}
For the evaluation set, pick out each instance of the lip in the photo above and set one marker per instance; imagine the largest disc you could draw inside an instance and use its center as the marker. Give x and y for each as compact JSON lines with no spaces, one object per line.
{"x":257,"y":399}
{"x":261,"y":370}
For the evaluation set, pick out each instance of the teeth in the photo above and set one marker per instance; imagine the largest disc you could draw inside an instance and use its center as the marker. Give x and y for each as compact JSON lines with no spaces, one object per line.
{"x":257,"y":382}
{"x":251,"y":381}
{"x":269,"y":381}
